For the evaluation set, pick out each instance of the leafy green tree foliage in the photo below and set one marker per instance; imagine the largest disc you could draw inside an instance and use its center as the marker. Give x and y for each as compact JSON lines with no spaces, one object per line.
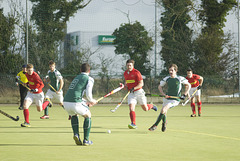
{"x":10,"y":62}
{"x":176,"y":36}
{"x":210,"y":57}
{"x":50,"y":18}
{"x":133,"y":40}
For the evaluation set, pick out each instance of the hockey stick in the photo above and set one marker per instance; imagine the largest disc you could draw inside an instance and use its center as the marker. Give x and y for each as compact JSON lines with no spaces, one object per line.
{"x":157,"y":95}
{"x":112,"y":92}
{"x":9,"y":116}
{"x":119,"y":104}
{"x":183,"y":104}
{"x":52,"y":87}
{"x":23,"y":84}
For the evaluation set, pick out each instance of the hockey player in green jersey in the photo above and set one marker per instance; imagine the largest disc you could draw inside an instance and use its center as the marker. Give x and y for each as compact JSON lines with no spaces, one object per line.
{"x":174,"y":84}
{"x":75,"y":105}
{"x":55,"y":82}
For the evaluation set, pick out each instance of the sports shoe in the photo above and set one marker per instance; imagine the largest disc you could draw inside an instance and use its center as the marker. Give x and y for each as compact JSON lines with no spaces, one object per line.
{"x":50,"y":103}
{"x":77,"y":139}
{"x":87,"y":142}
{"x":164,"y":126}
{"x":25,"y":124}
{"x":199,"y":113}
{"x":44,"y":117}
{"x":193,"y":115}
{"x":154,"y":107}
{"x":20,"y":108}
{"x":132,"y":126}
{"x":152,"y":128}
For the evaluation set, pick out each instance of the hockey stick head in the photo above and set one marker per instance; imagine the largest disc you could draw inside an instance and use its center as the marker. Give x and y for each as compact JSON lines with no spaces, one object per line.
{"x":112,"y":110}
{"x":16,"y":119}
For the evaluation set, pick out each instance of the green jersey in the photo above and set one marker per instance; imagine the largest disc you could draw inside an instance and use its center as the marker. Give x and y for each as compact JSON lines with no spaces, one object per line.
{"x":174,"y":85}
{"x":54,"y":77}
{"x":80,"y":83}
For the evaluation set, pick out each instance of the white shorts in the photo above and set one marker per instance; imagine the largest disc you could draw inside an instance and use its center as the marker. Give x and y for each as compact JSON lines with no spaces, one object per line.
{"x":50,"y":94}
{"x":38,"y":97}
{"x":73,"y":108}
{"x":137,"y":96}
{"x":193,"y":89}
{"x":172,"y":103}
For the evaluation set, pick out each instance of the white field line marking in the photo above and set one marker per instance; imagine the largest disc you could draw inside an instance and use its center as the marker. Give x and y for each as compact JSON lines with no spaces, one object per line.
{"x":206,"y":134}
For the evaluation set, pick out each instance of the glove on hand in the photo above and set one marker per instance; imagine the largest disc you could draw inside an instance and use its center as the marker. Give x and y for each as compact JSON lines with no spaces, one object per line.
{"x":132,"y":90}
{"x":34,"y":90}
{"x":183,"y":97}
{"x":199,"y":87}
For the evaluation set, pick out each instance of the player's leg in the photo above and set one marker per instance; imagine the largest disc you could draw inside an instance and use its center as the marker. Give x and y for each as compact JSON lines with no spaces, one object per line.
{"x":27,"y":102}
{"x":39,"y":101}
{"x":84,"y":111}
{"x":87,"y":128}
{"x":22,"y":97}
{"x":142,"y":100}
{"x":46,"y":104}
{"x":167,"y":104}
{"x":193,"y":107}
{"x":132,"y":101}
{"x":192,"y":102}
{"x":132,"y":115}
{"x":199,"y":103}
{"x":70,"y":108}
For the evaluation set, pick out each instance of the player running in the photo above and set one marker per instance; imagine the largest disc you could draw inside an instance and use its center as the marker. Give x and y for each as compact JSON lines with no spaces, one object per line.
{"x":174,"y":84}
{"x":134,"y":83}
{"x":55,"y":79}
{"x":35,"y":84}
{"x":196,"y":82}
{"x":75,"y":105}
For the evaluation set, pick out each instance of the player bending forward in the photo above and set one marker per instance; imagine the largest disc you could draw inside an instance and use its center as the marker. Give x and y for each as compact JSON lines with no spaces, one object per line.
{"x":174,"y":84}
{"x":75,"y":105}
{"x":55,"y":79}
{"x":134,"y":83}
{"x":35,"y":84}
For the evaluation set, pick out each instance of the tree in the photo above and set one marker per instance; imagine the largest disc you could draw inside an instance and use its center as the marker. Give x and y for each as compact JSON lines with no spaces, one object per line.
{"x":209,"y":56}
{"x":10,"y":62}
{"x":133,"y":41}
{"x":176,"y":36}
{"x":50,"y":18}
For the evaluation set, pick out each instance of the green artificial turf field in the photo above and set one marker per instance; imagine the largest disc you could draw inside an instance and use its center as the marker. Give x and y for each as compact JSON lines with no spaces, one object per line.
{"x":213,"y":137}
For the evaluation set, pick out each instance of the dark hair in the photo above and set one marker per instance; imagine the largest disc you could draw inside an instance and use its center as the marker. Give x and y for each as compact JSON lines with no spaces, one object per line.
{"x":130,"y":61}
{"x":51,"y":62}
{"x":189,"y":69}
{"x":174,"y":66}
{"x":85,"y":67}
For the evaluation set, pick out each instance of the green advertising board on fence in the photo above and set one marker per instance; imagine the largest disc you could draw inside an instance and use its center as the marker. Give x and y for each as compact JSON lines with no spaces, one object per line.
{"x":106,"y":39}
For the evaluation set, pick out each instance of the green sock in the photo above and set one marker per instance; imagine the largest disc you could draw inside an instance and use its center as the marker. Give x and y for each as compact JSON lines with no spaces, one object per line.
{"x":75,"y":124}
{"x":160,"y":117}
{"x":87,"y":127}
{"x":46,"y":111}
{"x":164,"y":118}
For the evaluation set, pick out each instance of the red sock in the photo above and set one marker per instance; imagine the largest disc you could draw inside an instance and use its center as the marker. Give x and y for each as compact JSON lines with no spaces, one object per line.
{"x":199,"y":107}
{"x":44,"y":105}
{"x":26,"y":115}
{"x":150,"y":106}
{"x":133,"y":117}
{"x":193,"y":108}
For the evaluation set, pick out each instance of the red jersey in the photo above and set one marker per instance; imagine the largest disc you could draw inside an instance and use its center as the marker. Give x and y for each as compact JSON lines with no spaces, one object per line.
{"x":132,"y":78}
{"x":34,"y":81}
{"x":194,"y":80}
